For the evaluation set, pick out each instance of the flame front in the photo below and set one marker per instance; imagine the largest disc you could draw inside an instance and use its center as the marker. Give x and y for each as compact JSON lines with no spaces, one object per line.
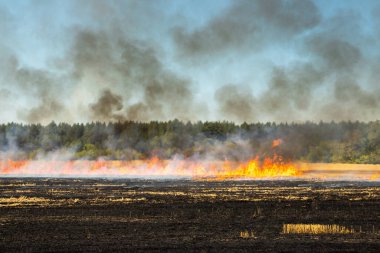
{"x":218,"y":170}
{"x":267,"y":168}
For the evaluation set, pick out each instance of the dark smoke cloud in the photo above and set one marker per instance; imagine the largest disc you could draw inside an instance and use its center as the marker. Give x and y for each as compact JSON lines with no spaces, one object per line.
{"x":236,"y":103}
{"x":290,"y":90}
{"x":47,"y":108}
{"x":347,"y":90}
{"x":169,"y":95}
{"x":131,"y":70}
{"x":351,"y":101}
{"x":335,"y":54}
{"x":322,"y":85}
{"x":339,"y":49}
{"x":40,"y":85}
{"x":110,"y":70}
{"x":103,"y":75}
{"x":106,"y":106}
{"x":248,"y":25}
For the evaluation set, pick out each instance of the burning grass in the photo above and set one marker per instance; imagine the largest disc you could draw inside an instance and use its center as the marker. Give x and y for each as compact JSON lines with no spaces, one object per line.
{"x":268,"y":168}
{"x":256,"y":168}
{"x":274,"y":167}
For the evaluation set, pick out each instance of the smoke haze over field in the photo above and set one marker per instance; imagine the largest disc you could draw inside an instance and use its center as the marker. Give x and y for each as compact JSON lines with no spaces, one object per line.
{"x":262,"y":60}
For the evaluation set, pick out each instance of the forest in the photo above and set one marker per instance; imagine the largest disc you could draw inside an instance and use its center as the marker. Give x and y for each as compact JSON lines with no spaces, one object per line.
{"x":346,"y":142}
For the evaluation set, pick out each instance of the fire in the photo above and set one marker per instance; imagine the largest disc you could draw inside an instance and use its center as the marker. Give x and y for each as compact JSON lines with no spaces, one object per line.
{"x":256,"y":168}
{"x":217,"y":170}
{"x":276,"y":143}
{"x":269,"y":168}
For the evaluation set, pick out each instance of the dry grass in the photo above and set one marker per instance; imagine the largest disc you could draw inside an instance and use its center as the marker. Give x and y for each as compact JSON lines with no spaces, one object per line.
{"x":247,"y":234}
{"x":18,"y":185}
{"x":22,"y":200}
{"x":37,"y":201}
{"x":126,"y":200}
{"x":315,"y":229}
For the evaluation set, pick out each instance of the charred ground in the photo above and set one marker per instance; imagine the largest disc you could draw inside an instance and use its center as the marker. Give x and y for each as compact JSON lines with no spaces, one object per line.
{"x":44,"y":215}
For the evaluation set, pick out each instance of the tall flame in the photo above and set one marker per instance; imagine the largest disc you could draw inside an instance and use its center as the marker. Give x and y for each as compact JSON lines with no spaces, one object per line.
{"x":269,"y":168}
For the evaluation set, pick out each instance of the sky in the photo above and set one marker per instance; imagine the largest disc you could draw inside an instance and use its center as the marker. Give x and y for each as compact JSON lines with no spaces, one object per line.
{"x":235,"y":60}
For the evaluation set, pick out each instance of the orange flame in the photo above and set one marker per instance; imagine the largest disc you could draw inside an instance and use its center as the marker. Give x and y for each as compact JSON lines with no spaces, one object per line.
{"x":276,"y":143}
{"x":256,"y":168}
{"x":268,"y":168}
{"x":219,"y":170}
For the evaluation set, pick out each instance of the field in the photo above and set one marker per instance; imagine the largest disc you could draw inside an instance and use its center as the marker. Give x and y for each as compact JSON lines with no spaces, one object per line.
{"x":70,"y":215}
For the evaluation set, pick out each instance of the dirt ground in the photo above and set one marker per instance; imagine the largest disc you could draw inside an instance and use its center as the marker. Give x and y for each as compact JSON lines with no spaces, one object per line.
{"x":105,"y":215}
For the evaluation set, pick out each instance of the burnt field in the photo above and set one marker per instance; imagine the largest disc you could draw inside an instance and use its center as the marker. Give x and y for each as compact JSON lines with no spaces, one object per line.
{"x":70,"y":215}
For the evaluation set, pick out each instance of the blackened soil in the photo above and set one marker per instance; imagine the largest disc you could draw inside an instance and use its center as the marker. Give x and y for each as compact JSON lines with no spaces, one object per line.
{"x":104,"y":215}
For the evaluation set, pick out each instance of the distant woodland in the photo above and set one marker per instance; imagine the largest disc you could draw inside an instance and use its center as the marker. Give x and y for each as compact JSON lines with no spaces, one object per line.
{"x":349,"y":142}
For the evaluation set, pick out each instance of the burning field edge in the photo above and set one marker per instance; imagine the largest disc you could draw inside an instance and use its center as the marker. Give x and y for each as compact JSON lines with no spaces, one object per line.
{"x":268,"y":168}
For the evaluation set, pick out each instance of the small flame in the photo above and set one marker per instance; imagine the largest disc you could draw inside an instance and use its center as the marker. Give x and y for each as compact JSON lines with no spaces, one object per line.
{"x":276,"y":143}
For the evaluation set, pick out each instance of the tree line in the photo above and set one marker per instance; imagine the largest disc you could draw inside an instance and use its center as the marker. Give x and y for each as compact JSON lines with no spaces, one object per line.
{"x":351,"y":142}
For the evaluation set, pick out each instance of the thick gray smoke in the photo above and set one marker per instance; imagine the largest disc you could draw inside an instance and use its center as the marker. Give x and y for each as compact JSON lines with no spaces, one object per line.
{"x":132,"y":61}
{"x":328,"y":81}
{"x":237,"y":103}
{"x":145,"y":89}
{"x":108,"y":106}
{"x":39,"y":84}
{"x":105,"y":76}
{"x":248,"y":26}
